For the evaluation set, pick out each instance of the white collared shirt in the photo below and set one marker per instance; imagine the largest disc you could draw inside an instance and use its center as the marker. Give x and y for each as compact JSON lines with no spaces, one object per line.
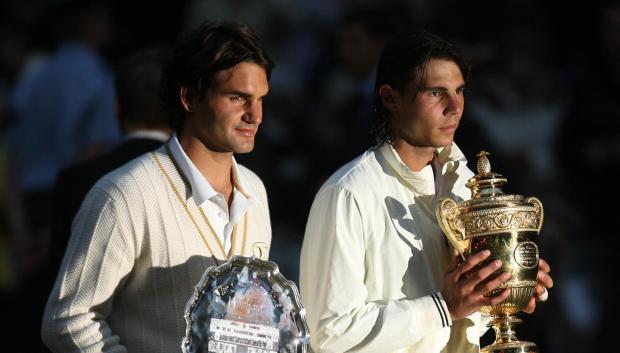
{"x":214,"y":203}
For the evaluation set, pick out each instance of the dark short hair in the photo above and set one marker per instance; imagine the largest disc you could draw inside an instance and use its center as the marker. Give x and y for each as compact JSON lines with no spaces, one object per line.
{"x":138,"y":88}
{"x":210,"y":48}
{"x":405,"y":60}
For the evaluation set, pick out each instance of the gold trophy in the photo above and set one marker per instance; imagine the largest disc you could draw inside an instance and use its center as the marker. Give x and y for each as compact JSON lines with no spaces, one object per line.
{"x":507,"y":226}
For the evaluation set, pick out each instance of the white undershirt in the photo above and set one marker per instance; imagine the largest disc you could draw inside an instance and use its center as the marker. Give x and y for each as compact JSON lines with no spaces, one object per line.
{"x":213,"y":203}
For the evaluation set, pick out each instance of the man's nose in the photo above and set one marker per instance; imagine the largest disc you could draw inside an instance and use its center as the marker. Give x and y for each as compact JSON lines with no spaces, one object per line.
{"x":253,"y":112}
{"x":454,"y":104}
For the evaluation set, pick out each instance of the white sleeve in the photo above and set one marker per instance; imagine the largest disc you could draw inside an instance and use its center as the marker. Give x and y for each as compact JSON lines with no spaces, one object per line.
{"x":340,"y":317}
{"x":484,"y":321}
{"x":99,"y":255}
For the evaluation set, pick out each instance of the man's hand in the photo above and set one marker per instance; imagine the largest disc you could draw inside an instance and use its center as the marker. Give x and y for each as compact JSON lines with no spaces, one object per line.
{"x":540,"y":290}
{"x":464,"y":291}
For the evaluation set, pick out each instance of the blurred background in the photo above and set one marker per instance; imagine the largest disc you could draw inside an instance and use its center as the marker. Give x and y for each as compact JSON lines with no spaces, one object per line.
{"x":544,"y":99}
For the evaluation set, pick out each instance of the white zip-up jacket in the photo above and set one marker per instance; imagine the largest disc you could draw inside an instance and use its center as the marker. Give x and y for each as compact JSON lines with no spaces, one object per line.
{"x":374,"y":257}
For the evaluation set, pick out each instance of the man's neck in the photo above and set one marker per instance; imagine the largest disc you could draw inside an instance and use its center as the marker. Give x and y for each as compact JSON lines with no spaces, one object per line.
{"x":416,"y":158}
{"x":153,"y":131}
{"x":216,"y":167}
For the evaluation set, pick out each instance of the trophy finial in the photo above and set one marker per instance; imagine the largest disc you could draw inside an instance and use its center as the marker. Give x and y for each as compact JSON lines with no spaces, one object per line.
{"x":484,"y":165}
{"x":485,"y":183}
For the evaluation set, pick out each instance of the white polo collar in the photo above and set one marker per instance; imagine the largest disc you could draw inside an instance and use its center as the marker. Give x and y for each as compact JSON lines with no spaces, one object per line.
{"x":202,"y":191}
{"x":423,"y":181}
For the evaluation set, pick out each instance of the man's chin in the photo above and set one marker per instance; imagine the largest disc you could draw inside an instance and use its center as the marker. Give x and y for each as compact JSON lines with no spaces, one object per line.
{"x":445,"y":142}
{"x":243,"y":149}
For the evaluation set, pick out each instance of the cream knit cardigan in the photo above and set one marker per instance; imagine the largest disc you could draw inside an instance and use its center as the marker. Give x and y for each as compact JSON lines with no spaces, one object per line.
{"x":134,"y":258}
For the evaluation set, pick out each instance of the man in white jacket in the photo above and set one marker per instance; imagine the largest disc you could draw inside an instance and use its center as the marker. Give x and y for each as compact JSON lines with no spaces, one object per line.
{"x":377,"y":274}
{"x":147,"y":231}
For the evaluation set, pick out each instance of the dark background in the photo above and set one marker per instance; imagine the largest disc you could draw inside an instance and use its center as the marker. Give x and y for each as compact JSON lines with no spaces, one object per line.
{"x":543,"y":99}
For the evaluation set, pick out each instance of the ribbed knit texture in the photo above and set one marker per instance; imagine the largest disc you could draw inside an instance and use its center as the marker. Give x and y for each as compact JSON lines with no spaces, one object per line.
{"x":134,"y":258}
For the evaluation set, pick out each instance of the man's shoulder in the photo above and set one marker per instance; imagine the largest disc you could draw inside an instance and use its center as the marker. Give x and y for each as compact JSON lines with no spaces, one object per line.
{"x":130,"y":189}
{"x":356,"y":175}
{"x":89,"y":171}
{"x":129,"y":175}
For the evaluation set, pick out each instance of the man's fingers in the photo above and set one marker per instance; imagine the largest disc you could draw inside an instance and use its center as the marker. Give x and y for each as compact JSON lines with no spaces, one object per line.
{"x":545,"y":279}
{"x":531,"y":305}
{"x":539,"y":289}
{"x":482,"y":274}
{"x":494,"y":300}
{"x":543,"y":266}
{"x":474,"y":260}
{"x":454,"y":261}
{"x":485,"y":287}
{"x":541,"y":293}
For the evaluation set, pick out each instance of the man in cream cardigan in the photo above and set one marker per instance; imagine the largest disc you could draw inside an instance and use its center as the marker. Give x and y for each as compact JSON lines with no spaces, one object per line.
{"x":376,"y":272}
{"x":147,"y":231}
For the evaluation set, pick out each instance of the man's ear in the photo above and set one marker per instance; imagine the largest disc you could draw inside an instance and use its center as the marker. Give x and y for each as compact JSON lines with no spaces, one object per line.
{"x":187,"y":98}
{"x":389,"y":97}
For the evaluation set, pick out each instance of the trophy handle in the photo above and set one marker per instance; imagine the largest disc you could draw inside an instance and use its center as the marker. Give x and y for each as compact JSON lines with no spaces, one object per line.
{"x":446,"y":215}
{"x":539,"y":210}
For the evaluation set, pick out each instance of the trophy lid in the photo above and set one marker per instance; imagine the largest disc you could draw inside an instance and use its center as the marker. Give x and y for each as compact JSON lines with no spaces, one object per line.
{"x":485,"y":183}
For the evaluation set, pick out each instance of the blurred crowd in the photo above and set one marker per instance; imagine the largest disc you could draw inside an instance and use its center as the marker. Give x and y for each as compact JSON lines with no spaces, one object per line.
{"x":542,"y":100}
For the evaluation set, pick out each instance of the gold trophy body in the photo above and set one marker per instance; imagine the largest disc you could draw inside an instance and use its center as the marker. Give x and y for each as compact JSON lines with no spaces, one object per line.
{"x":508,"y":226}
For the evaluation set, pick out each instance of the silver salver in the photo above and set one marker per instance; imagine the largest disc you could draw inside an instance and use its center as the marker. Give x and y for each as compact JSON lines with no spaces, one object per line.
{"x":245,"y":306}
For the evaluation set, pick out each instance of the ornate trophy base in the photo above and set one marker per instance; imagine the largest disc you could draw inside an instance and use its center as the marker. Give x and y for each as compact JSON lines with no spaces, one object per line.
{"x":505,"y":338}
{"x":512,"y":347}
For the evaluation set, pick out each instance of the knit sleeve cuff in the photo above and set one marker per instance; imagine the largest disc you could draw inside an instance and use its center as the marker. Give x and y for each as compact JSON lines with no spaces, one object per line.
{"x":442,"y":309}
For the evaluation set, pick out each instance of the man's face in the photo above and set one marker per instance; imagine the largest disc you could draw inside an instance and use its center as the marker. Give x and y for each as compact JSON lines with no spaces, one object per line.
{"x":227,"y":119}
{"x":430,"y":118}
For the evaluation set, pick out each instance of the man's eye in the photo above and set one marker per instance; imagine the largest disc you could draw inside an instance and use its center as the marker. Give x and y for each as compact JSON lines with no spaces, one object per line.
{"x":435,"y":93}
{"x":236,"y":98}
